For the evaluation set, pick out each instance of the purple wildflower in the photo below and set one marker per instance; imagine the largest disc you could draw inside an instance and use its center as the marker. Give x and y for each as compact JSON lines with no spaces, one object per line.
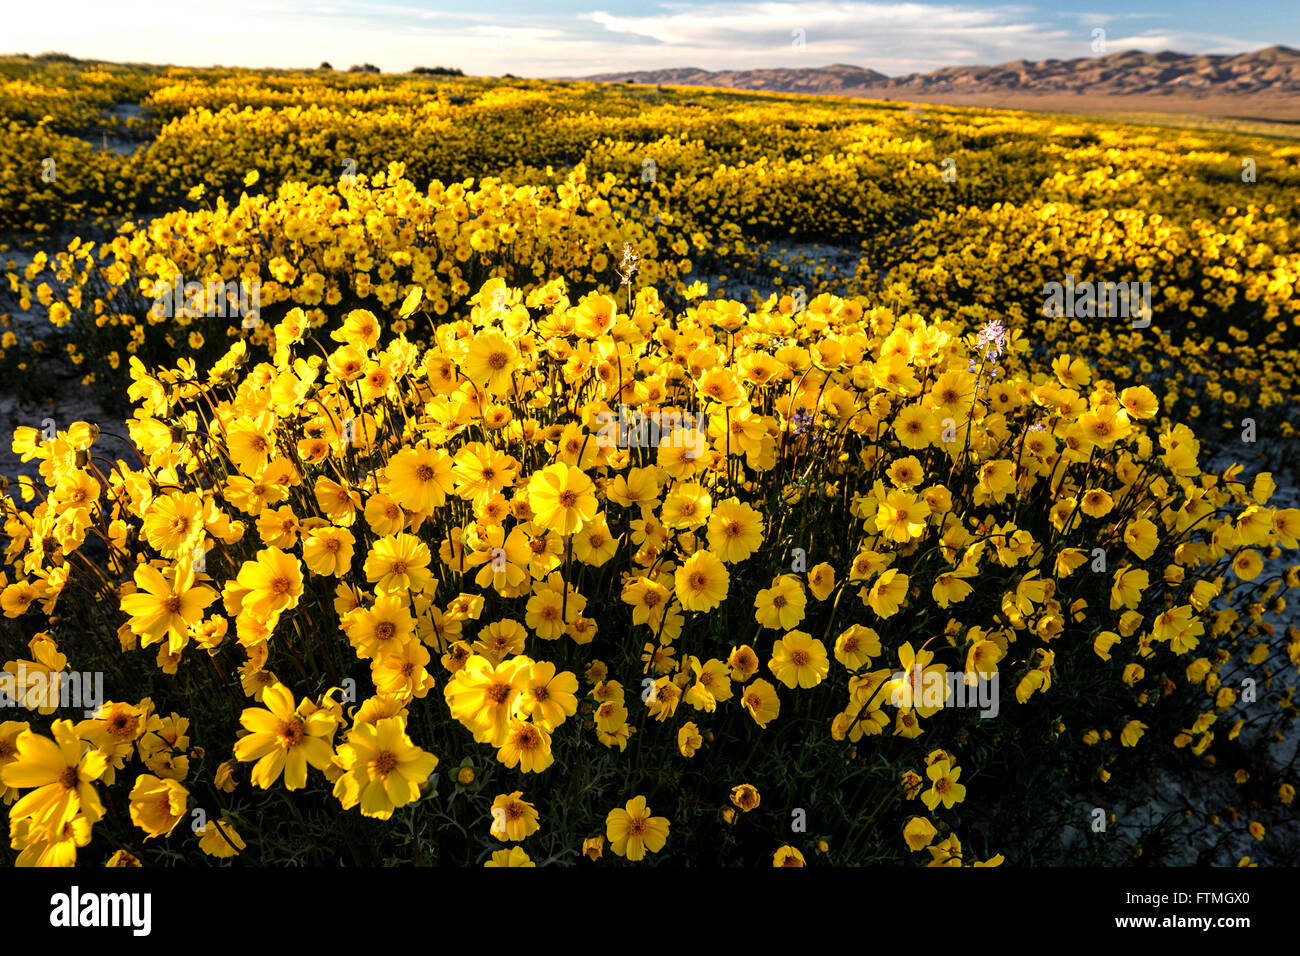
{"x":993,"y":337}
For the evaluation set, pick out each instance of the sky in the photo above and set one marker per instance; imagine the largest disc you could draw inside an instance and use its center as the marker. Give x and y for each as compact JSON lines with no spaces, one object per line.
{"x":583,"y":37}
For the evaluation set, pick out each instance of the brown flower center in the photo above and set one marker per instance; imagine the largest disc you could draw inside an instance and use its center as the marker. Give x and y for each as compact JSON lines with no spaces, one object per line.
{"x":292,"y":733}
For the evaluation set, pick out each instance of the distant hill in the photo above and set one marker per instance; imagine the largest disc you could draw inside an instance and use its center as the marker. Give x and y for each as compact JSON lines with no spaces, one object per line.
{"x":1274,"y":70}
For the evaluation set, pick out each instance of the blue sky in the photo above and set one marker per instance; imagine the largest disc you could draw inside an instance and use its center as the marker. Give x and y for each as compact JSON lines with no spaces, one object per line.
{"x":579,"y":37}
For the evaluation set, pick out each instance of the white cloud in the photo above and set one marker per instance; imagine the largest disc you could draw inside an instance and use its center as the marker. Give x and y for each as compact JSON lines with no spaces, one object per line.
{"x":890,"y":37}
{"x":893,"y":37}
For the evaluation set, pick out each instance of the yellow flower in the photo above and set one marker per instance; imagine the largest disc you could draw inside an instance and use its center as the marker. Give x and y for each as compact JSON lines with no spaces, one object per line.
{"x":360,"y":328}
{"x":563,"y":498}
{"x":595,"y":316}
{"x":856,"y":646}
{"x":47,"y":847}
{"x":401,"y":674}
{"x":219,"y":839}
{"x":760,"y":702}
{"x":788,"y":856}
{"x":735,"y":530}
{"x":480,"y":471}
{"x":799,"y":659}
{"x":901,"y":516}
{"x":919,"y":688}
{"x":513,"y":818}
{"x":420,"y":478}
{"x":1105,"y":426}
{"x":888,"y":593}
{"x":157,"y":805}
{"x":720,"y":385}
{"x":249,"y":443}
{"x":1096,"y":502}
{"x":688,"y":739}
{"x":61,"y":771}
{"x":949,"y":588}
{"x":399,"y":563}
{"x":687,"y":506}
{"x":411,"y":302}
{"x":632,"y":831}
{"x":1126,"y":591}
{"x":782,"y":605}
{"x":515,"y":856}
{"x":162,"y":609}
{"x":548,"y":698}
{"x":272,"y":583}
{"x":944,"y":787}
{"x":821,"y":581}
{"x":946,"y":853}
{"x":745,"y":796}
{"x":285,"y":740}
{"x":174,"y":524}
{"x":702,"y":581}
{"x":491,"y":361}
{"x":997,"y":479}
{"x":919,"y":832}
{"x":383,"y":769}
{"x":743,"y":663}
{"x":1247,"y":564}
{"x":1132,"y":733}
{"x":328,"y":550}
{"x":1139,"y":401}
{"x":482,"y":696}
{"x":382,"y":629}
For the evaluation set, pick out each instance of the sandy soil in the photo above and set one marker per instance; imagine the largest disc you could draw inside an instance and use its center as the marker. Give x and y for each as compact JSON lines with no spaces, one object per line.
{"x":1275,"y":107}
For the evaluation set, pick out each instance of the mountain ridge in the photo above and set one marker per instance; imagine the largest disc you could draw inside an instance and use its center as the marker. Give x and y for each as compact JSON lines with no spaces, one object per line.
{"x":1274,"y":69}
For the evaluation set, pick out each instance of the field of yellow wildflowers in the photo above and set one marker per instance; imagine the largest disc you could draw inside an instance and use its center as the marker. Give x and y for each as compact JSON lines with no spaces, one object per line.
{"x":522,"y":473}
